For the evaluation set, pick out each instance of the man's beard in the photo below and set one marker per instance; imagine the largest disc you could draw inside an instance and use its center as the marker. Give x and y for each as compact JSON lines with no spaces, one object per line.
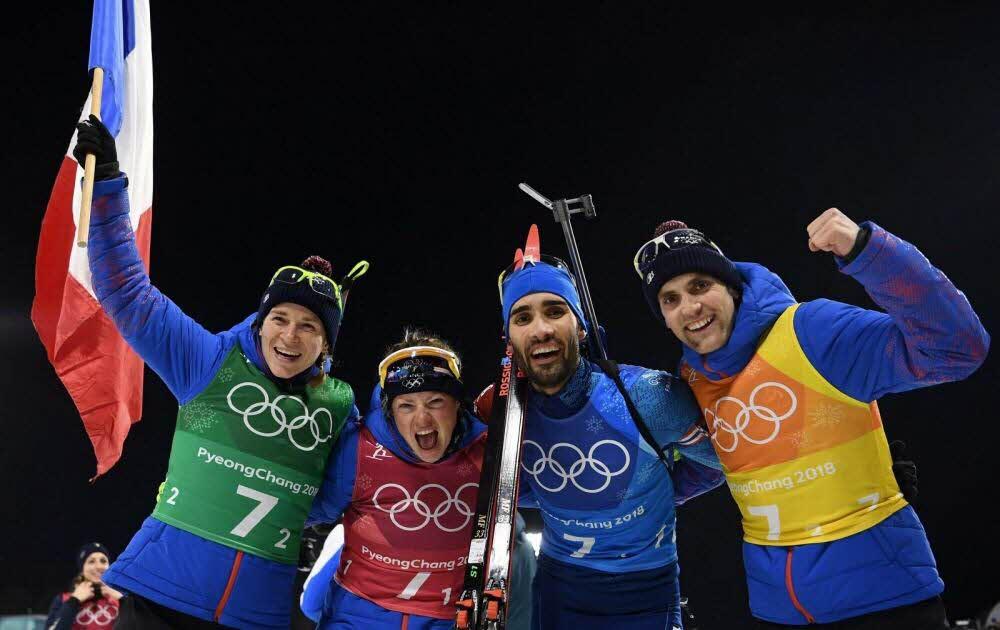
{"x":554,"y":374}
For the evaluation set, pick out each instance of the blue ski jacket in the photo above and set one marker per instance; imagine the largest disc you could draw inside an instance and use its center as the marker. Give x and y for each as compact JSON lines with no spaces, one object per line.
{"x":929,"y":334}
{"x":162,"y":563}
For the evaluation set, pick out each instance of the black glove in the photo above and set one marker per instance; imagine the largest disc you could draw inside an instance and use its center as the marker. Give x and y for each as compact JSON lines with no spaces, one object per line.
{"x":93,"y":137}
{"x":312,"y":545}
{"x":905,"y":470}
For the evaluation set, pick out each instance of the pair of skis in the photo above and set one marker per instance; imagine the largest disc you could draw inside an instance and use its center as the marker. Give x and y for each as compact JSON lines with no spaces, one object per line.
{"x":485,"y":593}
{"x":484,"y":602}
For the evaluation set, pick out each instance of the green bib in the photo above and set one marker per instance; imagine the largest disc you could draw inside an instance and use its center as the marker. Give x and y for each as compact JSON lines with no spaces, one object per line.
{"x":247,"y":460}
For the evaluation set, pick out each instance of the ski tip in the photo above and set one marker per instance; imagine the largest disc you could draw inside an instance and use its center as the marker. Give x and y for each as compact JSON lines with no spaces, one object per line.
{"x":532,"y":246}
{"x":518,"y":259}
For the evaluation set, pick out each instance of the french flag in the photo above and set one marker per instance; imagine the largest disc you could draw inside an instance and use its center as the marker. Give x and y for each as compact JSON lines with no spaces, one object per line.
{"x":102,"y":374}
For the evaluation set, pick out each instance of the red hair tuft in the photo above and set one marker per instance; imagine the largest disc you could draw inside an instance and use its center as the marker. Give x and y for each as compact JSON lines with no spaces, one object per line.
{"x":319,"y":265}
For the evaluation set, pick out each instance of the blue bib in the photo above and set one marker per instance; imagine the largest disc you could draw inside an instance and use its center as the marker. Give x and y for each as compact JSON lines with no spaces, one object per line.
{"x":606,"y":499}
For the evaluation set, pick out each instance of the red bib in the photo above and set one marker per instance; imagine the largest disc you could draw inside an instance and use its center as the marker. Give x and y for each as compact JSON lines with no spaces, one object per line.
{"x":96,"y":614}
{"x":407,"y":530}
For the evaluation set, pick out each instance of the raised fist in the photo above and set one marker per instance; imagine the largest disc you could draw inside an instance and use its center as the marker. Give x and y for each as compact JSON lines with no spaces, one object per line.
{"x":833,"y":231}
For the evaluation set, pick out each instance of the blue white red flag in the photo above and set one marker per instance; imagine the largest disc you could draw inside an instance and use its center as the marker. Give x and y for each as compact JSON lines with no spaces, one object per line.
{"x":102,"y":374}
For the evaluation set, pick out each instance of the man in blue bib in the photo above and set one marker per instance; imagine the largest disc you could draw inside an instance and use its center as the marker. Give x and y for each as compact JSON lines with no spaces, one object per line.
{"x":608,"y":557}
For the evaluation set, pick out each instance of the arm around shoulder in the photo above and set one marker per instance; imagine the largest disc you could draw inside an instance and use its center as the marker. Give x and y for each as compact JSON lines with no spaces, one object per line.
{"x":337,"y":489}
{"x":670,"y":410}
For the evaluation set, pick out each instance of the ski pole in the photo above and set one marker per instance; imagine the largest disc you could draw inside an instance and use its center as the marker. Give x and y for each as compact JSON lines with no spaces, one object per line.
{"x":562,"y":211}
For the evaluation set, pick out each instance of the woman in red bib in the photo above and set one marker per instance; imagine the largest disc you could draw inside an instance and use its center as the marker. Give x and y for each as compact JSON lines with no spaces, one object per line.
{"x":407,"y":477}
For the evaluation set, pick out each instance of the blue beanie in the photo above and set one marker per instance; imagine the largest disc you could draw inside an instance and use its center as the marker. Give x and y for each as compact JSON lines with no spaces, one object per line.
{"x":540,"y":277}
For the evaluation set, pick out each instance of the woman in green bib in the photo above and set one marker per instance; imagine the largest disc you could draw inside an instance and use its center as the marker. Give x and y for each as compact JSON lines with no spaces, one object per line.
{"x":258,"y":417}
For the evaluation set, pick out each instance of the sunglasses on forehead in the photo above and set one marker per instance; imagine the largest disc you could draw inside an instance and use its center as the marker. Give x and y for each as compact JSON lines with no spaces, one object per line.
{"x":558,"y":263}
{"x":674,"y":239}
{"x":317,"y":282}
{"x":388,"y":374}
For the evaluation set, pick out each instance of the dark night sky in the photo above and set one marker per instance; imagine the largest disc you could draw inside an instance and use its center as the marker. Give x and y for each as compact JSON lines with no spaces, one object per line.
{"x":399,"y":135}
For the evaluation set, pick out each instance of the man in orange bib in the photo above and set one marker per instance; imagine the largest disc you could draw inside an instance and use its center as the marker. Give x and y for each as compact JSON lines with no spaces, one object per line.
{"x":787,"y":391}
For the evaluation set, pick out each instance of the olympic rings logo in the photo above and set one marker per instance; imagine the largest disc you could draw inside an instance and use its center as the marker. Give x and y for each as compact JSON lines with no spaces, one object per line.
{"x":98,"y":614}
{"x":422,"y":508}
{"x":748,"y":412}
{"x":414,"y":380}
{"x":281,"y":420}
{"x":548,"y":460}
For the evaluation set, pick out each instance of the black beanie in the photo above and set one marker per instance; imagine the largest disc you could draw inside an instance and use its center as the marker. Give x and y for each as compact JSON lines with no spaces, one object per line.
{"x":691,"y":252}
{"x":302,"y":293}
{"x":421,"y":374}
{"x":86,"y":550}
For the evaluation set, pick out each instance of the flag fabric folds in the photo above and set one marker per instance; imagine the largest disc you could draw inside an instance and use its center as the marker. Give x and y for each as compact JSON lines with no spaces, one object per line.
{"x":102,"y":374}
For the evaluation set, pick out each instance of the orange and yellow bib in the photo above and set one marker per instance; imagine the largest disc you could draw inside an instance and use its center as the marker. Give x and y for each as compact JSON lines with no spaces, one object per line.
{"x":805,"y":462}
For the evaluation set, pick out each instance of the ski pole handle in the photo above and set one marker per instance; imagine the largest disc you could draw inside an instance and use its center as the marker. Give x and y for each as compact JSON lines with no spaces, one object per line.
{"x":563,"y":215}
{"x":534,"y":194}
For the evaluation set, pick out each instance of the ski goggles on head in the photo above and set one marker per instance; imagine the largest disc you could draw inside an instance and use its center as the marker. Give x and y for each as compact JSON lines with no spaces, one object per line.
{"x":319,"y":283}
{"x":406,"y":366}
{"x":558,"y":263}
{"x":672,"y":240}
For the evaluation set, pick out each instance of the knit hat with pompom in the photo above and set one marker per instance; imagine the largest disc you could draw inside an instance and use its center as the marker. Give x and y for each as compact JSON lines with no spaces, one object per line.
{"x":304,"y":294}
{"x":677,"y":250}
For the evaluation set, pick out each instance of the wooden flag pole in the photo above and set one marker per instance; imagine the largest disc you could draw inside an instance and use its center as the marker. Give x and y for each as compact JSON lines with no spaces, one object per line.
{"x":89,"y":164}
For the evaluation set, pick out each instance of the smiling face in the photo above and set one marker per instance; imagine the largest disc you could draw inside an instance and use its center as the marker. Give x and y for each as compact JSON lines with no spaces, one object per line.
{"x":426,"y":420}
{"x":94,"y":566}
{"x":291,"y":339}
{"x":699,"y":310}
{"x":546,"y":338}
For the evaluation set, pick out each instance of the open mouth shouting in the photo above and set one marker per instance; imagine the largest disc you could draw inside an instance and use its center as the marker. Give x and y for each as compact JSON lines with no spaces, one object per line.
{"x":426,"y":421}
{"x":427,"y":439}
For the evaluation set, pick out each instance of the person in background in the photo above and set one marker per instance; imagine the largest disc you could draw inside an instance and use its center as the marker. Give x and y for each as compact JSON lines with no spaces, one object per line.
{"x":91,"y":603}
